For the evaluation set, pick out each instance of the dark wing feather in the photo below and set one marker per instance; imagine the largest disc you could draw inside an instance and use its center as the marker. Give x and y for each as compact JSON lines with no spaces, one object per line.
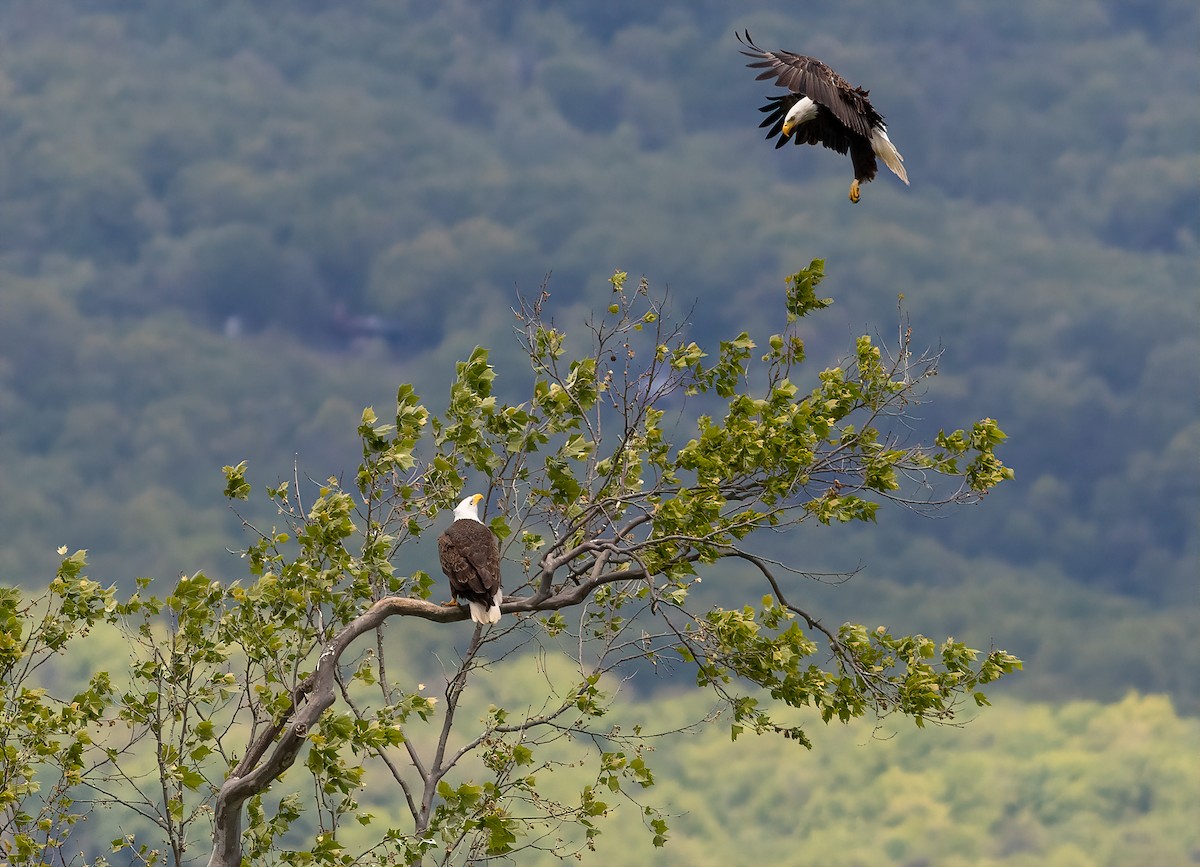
{"x":823,"y":130}
{"x":807,"y":76}
{"x":470,"y":557}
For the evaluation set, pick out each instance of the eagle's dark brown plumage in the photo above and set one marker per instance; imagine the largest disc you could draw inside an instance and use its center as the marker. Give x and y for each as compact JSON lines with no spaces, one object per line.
{"x":470,"y":556}
{"x":823,"y":108}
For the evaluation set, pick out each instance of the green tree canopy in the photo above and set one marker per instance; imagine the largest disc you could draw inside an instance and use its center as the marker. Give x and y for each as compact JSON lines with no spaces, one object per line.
{"x":640,"y":460}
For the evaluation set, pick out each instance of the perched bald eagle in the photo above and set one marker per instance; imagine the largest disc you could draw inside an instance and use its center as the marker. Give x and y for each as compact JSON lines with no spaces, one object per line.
{"x":470,"y":558}
{"x":822,"y":108}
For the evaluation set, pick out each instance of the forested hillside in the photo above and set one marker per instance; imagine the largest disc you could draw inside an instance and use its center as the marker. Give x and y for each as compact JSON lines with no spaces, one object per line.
{"x":226,"y":227}
{"x":1022,"y":786}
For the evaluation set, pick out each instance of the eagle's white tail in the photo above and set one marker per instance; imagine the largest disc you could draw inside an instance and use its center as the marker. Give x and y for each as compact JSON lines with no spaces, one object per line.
{"x":484,"y":614}
{"x":886,"y":151}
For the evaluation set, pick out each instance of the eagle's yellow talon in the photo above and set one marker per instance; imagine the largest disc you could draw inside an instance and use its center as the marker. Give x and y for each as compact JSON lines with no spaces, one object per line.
{"x":854,"y":195}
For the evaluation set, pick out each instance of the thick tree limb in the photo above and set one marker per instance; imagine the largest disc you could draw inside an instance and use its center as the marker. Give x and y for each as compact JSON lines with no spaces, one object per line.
{"x":276,"y":747}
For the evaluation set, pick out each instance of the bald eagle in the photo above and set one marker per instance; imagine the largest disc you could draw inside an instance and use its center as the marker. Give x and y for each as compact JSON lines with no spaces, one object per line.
{"x":822,"y":108}
{"x":470,"y":558}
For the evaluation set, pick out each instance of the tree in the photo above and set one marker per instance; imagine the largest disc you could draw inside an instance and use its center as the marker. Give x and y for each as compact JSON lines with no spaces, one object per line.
{"x":634,"y":469}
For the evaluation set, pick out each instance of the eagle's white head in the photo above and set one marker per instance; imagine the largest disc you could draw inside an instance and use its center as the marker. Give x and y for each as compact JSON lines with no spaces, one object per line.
{"x":802,"y":112}
{"x":468,"y":509}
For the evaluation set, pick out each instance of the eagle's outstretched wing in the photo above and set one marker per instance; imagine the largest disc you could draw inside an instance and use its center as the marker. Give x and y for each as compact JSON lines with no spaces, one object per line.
{"x":807,"y":76}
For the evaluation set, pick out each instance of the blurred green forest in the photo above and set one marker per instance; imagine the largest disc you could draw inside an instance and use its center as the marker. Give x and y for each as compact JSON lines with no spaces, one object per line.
{"x":227,"y":227}
{"x":1073,"y":785}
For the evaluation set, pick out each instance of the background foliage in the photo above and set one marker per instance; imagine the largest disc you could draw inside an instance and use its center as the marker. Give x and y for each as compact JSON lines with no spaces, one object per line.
{"x":226,"y":228}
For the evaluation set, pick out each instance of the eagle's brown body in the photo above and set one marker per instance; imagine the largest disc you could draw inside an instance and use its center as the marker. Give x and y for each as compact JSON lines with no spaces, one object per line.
{"x":470,"y":557}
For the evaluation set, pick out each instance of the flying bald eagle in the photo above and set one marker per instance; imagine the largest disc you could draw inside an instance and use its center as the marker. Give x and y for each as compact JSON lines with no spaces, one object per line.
{"x":470,"y":558}
{"x":822,"y":108}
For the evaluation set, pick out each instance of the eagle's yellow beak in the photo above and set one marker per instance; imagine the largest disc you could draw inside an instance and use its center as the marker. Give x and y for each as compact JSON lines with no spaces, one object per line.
{"x":788,"y":126}
{"x":477,"y":498}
